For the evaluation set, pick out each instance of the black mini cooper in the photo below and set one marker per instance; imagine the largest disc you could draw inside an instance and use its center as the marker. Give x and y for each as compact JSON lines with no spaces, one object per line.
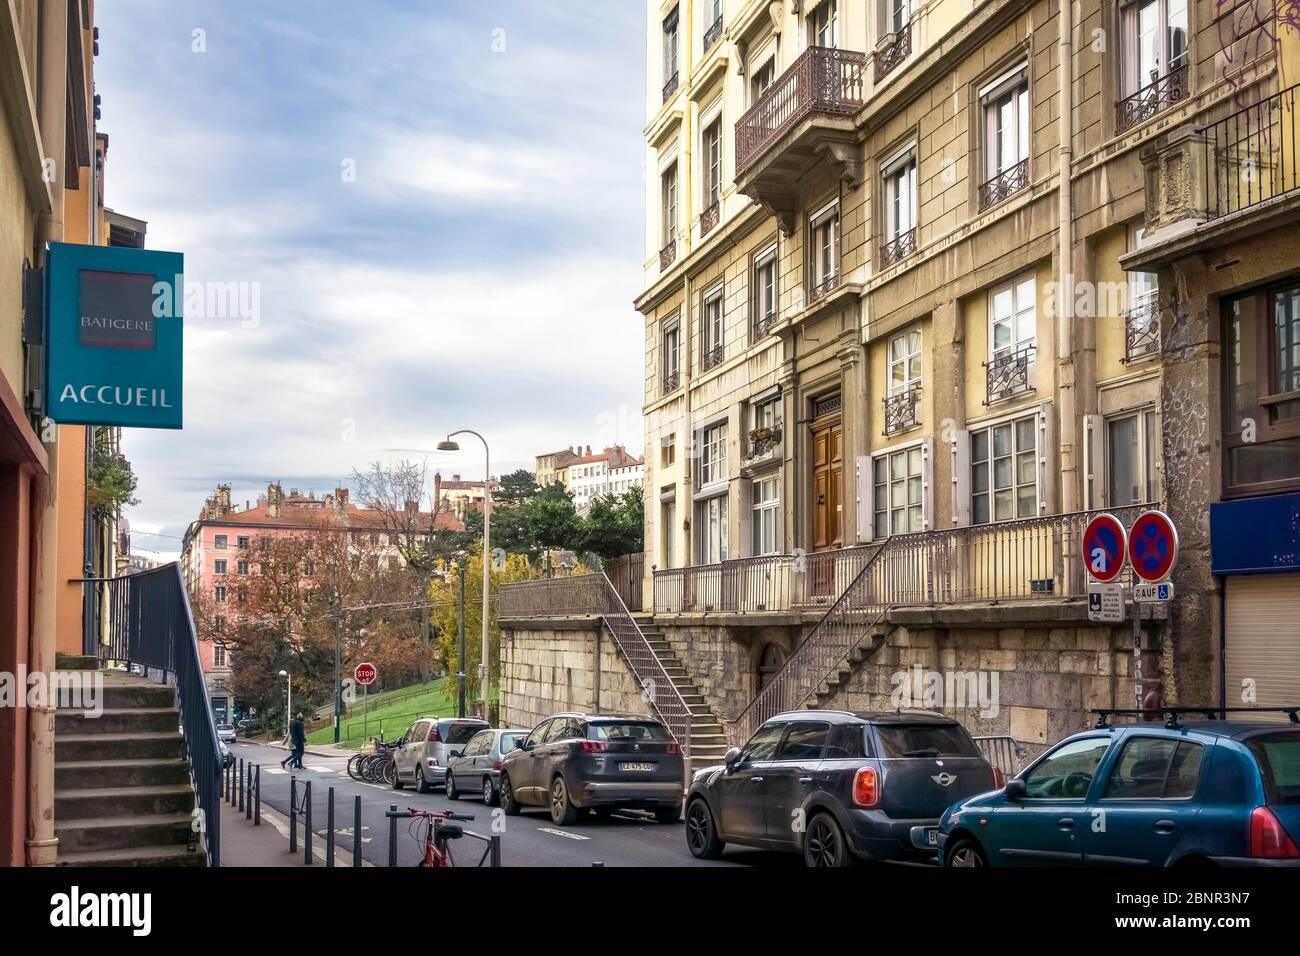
{"x":838,"y":786}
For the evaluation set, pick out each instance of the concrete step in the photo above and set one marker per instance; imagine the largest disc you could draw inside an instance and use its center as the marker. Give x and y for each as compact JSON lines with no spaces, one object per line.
{"x":163,"y":855}
{"x":124,"y":832}
{"x":75,"y":662}
{"x":123,"y":696}
{"x":70,"y":747}
{"x":123,"y":801}
{"x":73,"y":775}
{"x":118,"y":721}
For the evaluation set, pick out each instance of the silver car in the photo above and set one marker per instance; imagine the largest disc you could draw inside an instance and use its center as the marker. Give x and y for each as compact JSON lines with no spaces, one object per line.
{"x":226,"y":733}
{"x":478,"y":768}
{"x":426,"y":747}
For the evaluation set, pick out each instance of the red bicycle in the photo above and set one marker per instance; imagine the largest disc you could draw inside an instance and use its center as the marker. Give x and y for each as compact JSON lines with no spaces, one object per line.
{"x":438,"y":834}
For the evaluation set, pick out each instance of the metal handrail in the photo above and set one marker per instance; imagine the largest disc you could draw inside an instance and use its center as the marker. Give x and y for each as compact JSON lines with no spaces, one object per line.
{"x":148,"y":621}
{"x":1253,"y":154}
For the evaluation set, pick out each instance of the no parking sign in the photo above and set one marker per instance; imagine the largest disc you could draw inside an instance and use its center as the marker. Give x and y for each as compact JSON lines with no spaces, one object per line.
{"x":1153,"y":545}
{"x":1104,"y":542}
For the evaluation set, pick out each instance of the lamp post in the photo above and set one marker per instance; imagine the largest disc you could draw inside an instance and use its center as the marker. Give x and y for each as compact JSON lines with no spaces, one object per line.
{"x":460,"y":677}
{"x":448,"y":445}
{"x":288,"y":707}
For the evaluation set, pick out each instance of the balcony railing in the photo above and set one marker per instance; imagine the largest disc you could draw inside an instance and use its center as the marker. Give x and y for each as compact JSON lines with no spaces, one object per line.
{"x":1158,"y":95}
{"x":1251,"y":155}
{"x":711,"y":357}
{"x":670,"y":87}
{"x":827,"y":285}
{"x":761,"y":441}
{"x":1008,"y":375}
{"x":822,"y":80}
{"x":894,"y":48}
{"x":671,"y":381}
{"x":1005,"y":184}
{"x":900,"y":410}
{"x":1142,"y":329}
{"x":898,"y":248}
{"x":709,"y":218}
{"x":764,"y":326}
{"x":667,"y":255}
{"x":712,"y":34}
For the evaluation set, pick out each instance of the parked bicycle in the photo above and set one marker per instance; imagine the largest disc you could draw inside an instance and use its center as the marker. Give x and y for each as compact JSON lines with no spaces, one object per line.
{"x":438,"y":834}
{"x":375,"y":767}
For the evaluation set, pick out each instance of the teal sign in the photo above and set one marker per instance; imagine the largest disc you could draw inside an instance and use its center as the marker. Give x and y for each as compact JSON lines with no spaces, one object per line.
{"x":114,"y":336}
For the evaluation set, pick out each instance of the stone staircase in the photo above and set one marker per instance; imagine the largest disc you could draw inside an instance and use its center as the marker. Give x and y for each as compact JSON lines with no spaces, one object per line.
{"x":122,"y":791}
{"x":849,"y":666}
{"x":708,"y":737}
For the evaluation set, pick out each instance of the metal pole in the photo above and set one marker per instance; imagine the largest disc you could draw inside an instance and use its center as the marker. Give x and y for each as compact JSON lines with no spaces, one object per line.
{"x":365,"y":712}
{"x":293,"y":814}
{"x":487,"y":571}
{"x":496,"y":849}
{"x":241,"y":783}
{"x":306,"y":823}
{"x":329,"y":836}
{"x":464,"y":674}
{"x":1137,"y":655}
{"x":392,"y":834}
{"x":248,"y":797}
{"x":288,"y":709}
{"x":257,"y":798}
{"x":356,"y":830}
{"x":338,"y":685}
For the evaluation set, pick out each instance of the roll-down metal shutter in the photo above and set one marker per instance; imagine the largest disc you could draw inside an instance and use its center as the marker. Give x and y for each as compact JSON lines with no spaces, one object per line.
{"x":1262,"y":618}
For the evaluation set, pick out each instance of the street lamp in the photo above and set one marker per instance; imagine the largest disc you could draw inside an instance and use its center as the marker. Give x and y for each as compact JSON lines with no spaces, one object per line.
{"x":448,"y":445}
{"x":288,"y":707}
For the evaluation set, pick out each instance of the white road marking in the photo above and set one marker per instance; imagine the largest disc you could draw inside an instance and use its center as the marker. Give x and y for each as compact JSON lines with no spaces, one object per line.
{"x":319,"y":769}
{"x":562,"y":833}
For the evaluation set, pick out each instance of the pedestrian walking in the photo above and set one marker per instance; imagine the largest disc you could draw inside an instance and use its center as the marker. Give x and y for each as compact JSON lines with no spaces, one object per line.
{"x":298,"y":738}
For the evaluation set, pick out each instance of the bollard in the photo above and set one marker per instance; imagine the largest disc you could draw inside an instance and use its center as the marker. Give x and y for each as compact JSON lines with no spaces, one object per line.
{"x":496,"y":850}
{"x":598,"y":865}
{"x":306,"y":823}
{"x":329,"y":829}
{"x":248,"y":797}
{"x":241,"y":783}
{"x":257,"y":801}
{"x":293,"y":814}
{"x":356,"y":831}
{"x":392,"y":834}
{"x":225,"y":783}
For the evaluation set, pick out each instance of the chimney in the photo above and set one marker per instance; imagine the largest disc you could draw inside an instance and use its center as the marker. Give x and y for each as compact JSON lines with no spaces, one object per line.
{"x":274,"y":498}
{"x":455,"y":477}
{"x":412,"y":506}
{"x":341,"y":499}
{"x":223,"y":499}
{"x":588,"y":451}
{"x":437,"y":492}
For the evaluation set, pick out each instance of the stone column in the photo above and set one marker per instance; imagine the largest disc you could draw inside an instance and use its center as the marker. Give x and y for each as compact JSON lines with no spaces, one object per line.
{"x":948,"y":401}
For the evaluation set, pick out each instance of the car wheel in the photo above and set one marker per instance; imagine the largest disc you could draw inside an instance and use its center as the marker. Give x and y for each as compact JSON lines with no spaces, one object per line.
{"x":669,"y":814}
{"x":396,"y":781}
{"x":489,"y":793}
{"x":452,"y":792}
{"x":965,"y":853}
{"x":508,"y":802}
{"x":421,"y":785}
{"x":823,"y":843}
{"x":701,"y":833}
{"x":563,"y":812}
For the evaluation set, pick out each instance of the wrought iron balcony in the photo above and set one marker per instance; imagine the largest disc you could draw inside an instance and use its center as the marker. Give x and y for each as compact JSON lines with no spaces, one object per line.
{"x":1005,"y":184}
{"x":761,"y":442}
{"x":823,"y":80}
{"x":1142,"y":329}
{"x":764,"y":325}
{"x":712,"y":34}
{"x":894,"y":48}
{"x":671,"y":381}
{"x":709,"y":218}
{"x":829,"y":284}
{"x":667,"y":255}
{"x":899,"y":248}
{"x":900,"y":410}
{"x":1008,"y":375}
{"x":1158,"y":95}
{"x":1251,"y":154}
{"x":711,"y":357}
{"x":670,"y":87}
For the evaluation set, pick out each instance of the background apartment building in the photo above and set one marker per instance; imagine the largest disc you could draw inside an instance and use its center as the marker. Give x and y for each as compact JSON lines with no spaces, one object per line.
{"x":220,"y":553}
{"x":611,"y":471}
{"x":874,"y":311}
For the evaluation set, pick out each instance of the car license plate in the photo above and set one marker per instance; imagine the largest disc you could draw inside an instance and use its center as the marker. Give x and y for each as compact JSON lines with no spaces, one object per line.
{"x":931,"y":837}
{"x":636,"y":767}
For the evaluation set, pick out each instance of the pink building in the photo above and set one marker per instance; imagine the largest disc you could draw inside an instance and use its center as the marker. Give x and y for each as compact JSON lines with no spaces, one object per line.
{"x":213,"y":556}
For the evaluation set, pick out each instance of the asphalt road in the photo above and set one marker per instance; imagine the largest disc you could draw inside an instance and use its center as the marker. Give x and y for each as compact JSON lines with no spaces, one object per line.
{"x":530,"y":839}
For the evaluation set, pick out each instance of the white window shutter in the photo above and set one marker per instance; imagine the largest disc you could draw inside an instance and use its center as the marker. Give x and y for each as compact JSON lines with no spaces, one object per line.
{"x":959,"y":450}
{"x":1094,"y":448}
{"x":864,"y":499}
{"x":1046,"y":456}
{"x":927,"y":484}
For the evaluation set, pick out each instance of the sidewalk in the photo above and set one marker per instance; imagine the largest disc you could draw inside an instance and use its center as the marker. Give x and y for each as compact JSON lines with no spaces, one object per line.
{"x":316,"y":750}
{"x":244,"y":844}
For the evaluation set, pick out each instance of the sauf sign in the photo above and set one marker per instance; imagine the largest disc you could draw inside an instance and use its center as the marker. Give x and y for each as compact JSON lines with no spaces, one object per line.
{"x":114,"y":336}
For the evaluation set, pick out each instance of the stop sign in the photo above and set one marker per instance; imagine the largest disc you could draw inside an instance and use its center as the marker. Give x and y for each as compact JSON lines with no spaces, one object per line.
{"x":365,"y":674}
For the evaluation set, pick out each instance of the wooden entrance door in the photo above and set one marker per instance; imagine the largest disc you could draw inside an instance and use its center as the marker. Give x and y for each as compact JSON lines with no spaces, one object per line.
{"x":827,"y":500}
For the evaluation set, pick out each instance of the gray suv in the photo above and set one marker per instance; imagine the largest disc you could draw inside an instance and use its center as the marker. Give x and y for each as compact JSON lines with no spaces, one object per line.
{"x":574,"y":762}
{"x":836,"y":786}
{"x":426,"y":747}
{"x":478,"y":768}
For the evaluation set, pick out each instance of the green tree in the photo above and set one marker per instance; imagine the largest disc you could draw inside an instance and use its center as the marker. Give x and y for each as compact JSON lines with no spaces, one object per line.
{"x":552,"y":520}
{"x":514,"y":488}
{"x":614,"y":525}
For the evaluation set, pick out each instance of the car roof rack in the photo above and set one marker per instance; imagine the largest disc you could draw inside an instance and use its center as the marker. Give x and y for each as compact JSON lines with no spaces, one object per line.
{"x":1171,"y":714}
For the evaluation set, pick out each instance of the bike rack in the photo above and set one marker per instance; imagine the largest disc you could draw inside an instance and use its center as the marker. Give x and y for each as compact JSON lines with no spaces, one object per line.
{"x":491,"y":852}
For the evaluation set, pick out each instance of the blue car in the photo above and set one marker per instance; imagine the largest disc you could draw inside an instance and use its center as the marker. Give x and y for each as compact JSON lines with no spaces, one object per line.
{"x":1204,"y":791}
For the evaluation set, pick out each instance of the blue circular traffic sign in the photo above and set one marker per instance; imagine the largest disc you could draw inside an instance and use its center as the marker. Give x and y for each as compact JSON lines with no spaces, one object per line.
{"x":1153,"y":545}
{"x":1103,"y":547}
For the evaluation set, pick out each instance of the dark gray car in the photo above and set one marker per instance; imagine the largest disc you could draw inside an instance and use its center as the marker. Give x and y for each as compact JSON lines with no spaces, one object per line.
{"x":838,"y":786}
{"x":477,"y":769}
{"x":606,"y":762}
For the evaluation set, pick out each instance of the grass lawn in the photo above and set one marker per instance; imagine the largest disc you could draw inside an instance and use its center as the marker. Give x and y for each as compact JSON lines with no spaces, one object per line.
{"x":391,"y":712}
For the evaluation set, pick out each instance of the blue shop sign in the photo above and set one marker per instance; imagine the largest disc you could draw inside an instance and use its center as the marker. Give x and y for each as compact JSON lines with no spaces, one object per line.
{"x":1255,"y":535}
{"x":114,"y":336}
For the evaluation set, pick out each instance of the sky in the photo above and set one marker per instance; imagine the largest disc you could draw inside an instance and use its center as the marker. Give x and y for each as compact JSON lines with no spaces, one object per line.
{"x":399,"y":218}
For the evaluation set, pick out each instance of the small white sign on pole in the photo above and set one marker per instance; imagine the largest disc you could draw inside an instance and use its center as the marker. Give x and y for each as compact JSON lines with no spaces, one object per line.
{"x":1106,"y":603}
{"x":1160,"y":593}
